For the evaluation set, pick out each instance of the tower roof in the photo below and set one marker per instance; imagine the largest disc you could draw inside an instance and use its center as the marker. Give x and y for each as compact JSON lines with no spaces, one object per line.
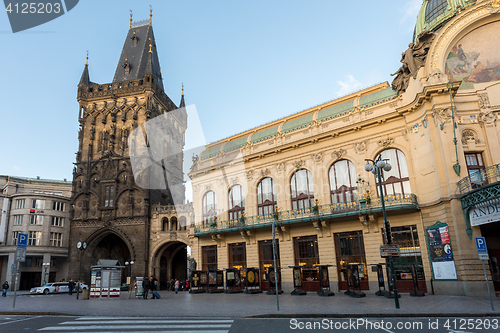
{"x":85,"y":79}
{"x":182,"y":104}
{"x":139,"y":56}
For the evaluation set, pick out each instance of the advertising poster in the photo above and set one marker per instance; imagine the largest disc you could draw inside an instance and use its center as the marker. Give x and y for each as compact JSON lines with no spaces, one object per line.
{"x":441,"y":253}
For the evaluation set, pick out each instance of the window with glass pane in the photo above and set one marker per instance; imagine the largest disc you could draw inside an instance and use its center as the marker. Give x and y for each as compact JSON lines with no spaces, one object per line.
{"x":350,"y":250}
{"x":307,"y":256}
{"x":57,"y":205}
{"x":474,"y":166}
{"x":397,"y":180}
{"x":343,"y":187}
{"x":36,"y":219}
{"x":266,"y":257}
{"x":109,"y":196}
{"x":302,"y":189}
{"x":34,"y":238}
{"x":15,"y":235}
{"x":266,"y":196}
{"x":56,"y":239}
{"x":409,"y":249}
{"x":434,"y":8}
{"x":209,"y":257}
{"x":57,"y":221}
{"x":20,"y":203}
{"x":209,"y":206}
{"x":18,"y":219}
{"x":238,"y":257}
{"x":236,"y":202}
{"x":37,"y":203}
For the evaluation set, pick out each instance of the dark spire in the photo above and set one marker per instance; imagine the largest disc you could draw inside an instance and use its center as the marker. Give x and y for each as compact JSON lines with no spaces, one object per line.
{"x":85,"y":79}
{"x":139,"y":52}
{"x":182,"y":104}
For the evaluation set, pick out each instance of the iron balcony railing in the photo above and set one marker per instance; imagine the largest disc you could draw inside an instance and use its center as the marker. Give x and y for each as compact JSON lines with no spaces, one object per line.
{"x":392,"y":202}
{"x":479,"y":179}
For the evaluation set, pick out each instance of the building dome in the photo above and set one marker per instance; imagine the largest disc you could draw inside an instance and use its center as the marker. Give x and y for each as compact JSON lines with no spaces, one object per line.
{"x":435,"y":13}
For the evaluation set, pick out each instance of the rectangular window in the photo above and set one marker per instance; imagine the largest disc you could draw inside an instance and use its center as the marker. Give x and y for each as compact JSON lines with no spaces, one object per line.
{"x":266,"y":257}
{"x":20,"y":203}
{"x":36,"y":219}
{"x":58,"y":205}
{"x":57,"y":221}
{"x":307,"y":256}
{"x":15,"y":234}
{"x":18,"y":219}
{"x":38,"y":204}
{"x":109,"y":196}
{"x":55,"y":239}
{"x":209,"y":257}
{"x":409,"y":249}
{"x":28,"y":261}
{"x":34,"y":238}
{"x":475,"y":166}
{"x":39,"y":262}
{"x":238,"y":257}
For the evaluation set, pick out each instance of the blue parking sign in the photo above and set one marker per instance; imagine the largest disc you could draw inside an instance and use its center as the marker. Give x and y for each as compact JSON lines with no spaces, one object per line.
{"x":22,"y":240}
{"x":481,"y":245}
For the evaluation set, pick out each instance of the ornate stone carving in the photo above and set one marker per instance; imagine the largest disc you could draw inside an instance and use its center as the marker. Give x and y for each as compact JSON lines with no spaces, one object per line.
{"x":298,"y":164}
{"x":221,"y":181}
{"x":437,"y":77}
{"x":234,"y":180}
{"x":280,"y":166}
{"x":468,"y":135}
{"x":249,"y":174}
{"x":208,"y":187}
{"x":386,"y":142}
{"x":487,"y":117}
{"x":338,"y":154}
{"x":441,"y":115}
{"x":484,"y":101}
{"x":265,"y":172}
{"x":361,"y":146}
{"x":317,"y":157}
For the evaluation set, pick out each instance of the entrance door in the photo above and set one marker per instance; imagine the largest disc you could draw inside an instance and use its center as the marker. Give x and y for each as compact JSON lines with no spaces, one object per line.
{"x":491,"y":232}
{"x":350,"y":250}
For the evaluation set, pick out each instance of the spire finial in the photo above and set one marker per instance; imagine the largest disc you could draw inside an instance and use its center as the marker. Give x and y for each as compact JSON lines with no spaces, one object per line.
{"x":182,"y":89}
{"x":130,"y":18}
{"x":150,"y":46}
{"x":87,"y":59}
{"x":150,"y":14}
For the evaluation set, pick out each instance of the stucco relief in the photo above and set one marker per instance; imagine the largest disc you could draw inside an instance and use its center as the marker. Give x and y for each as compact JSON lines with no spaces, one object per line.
{"x":280,"y":167}
{"x":249,"y":174}
{"x":298,"y":164}
{"x":386,"y":142}
{"x":360,"y":147}
{"x":317,"y":157}
{"x":484,"y":101}
{"x":487,"y":117}
{"x":441,"y":115}
{"x":469,"y":135}
{"x":338,"y":154}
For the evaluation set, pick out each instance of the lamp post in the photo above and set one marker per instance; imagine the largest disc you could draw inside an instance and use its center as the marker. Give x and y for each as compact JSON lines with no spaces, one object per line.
{"x":129,"y":265}
{"x":376,"y":168}
{"x":81,"y":245}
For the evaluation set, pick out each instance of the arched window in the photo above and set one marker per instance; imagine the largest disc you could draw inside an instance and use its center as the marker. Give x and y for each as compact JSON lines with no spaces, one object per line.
{"x":302,"y":189}
{"x":266,"y":196}
{"x":182,"y":223}
{"x":397,"y":180}
{"x":236,"y":202}
{"x":343,"y":186}
{"x":209,"y":206}
{"x":173,"y":224}
{"x":164,"y":224}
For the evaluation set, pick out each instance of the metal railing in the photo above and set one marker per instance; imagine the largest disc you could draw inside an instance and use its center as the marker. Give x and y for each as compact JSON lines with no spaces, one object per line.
{"x":479,"y":179}
{"x":392,"y":202}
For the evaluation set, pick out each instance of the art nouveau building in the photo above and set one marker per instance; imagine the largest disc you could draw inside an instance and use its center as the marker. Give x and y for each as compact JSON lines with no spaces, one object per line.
{"x":438,"y":129}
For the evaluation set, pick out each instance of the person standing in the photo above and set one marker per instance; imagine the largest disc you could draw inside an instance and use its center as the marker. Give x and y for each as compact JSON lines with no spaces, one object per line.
{"x":176,"y":286}
{"x":5,"y":288}
{"x":154,"y":286}
{"x":71,"y":286}
{"x":146,"y":285}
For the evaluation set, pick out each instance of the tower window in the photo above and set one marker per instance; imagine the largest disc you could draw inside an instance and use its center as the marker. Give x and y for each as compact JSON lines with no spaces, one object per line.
{"x":109,"y":195}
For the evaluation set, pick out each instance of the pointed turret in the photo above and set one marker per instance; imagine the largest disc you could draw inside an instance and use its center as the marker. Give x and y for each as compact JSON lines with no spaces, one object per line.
{"x":139,"y":56}
{"x":182,"y":104}
{"x":85,"y":79}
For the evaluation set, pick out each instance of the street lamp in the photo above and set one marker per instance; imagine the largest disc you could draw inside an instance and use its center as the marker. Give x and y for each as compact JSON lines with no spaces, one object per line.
{"x":129,"y":265}
{"x":81,"y":245}
{"x":376,"y":168}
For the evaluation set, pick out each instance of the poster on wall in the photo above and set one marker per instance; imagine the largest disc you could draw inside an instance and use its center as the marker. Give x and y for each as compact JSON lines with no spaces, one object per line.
{"x":441,"y":252}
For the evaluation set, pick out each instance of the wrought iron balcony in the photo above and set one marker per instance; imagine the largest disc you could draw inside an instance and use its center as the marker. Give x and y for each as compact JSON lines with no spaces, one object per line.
{"x":323,"y":212}
{"x":479,"y":179}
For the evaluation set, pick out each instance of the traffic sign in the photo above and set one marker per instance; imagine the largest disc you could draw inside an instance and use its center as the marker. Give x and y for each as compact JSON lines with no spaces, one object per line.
{"x":483,"y":256}
{"x":481,"y":245}
{"x":21,"y":254}
{"x":389,"y":250}
{"x":22,"y":240}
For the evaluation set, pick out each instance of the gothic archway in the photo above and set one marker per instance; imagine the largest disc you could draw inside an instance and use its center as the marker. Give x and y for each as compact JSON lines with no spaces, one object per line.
{"x":170,"y":262}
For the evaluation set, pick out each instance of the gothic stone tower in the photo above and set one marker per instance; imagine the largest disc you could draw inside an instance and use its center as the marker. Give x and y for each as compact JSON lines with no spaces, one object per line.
{"x":109,"y":210}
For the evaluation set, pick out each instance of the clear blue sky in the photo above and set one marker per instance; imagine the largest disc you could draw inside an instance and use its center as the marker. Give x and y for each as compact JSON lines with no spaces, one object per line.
{"x":243,"y":64}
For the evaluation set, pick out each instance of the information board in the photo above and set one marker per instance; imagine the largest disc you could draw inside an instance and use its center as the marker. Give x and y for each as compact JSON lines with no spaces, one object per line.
{"x":441,"y":252}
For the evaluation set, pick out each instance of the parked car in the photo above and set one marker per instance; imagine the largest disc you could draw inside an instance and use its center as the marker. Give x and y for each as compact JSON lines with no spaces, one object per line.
{"x":53,"y":288}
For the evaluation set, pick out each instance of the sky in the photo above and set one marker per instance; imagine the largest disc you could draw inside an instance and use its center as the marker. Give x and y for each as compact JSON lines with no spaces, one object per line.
{"x":243,"y":64}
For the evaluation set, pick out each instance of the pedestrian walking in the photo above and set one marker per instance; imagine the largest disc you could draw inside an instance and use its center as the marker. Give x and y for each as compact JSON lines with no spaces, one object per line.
{"x":176,"y":286}
{"x":146,"y":285}
{"x":5,"y":288}
{"x":71,"y":286}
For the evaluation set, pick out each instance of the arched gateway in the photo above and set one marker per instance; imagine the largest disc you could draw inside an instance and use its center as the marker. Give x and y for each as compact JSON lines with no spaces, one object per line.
{"x":169,"y":261}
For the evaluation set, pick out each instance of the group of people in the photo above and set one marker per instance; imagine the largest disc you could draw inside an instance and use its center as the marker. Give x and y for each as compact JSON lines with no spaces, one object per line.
{"x":148,"y":285}
{"x":176,"y":285}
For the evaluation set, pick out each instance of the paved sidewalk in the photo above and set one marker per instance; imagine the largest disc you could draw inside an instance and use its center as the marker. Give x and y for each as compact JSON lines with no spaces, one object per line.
{"x":242,"y":305}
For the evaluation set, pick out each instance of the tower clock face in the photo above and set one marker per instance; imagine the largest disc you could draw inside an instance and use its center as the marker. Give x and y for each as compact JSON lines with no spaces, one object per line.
{"x":84,"y":245}
{"x":79,"y":245}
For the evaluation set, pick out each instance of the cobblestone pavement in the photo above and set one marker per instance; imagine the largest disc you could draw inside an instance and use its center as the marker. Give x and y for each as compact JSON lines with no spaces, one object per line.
{"x":242,"y":305}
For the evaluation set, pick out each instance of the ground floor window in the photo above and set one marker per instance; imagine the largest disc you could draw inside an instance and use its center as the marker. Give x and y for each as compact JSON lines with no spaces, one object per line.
{"x":209,"y":257}
{"x":350,"y":250}
{"x":266,"y":257}
{"x":238,"y":257}
{"x":307,"y":256}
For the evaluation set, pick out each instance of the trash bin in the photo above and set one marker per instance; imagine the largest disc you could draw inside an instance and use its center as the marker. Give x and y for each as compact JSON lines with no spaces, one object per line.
{"x":85,"y":294}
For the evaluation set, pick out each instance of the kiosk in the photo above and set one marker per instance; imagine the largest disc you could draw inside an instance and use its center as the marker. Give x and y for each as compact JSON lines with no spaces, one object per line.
{"x":324,"y":280}
{"x":106,"y":279}
{"x":252,"y":281}
{"x":233,"y":281}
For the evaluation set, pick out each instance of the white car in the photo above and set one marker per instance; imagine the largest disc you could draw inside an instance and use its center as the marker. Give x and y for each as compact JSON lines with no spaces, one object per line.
{"x":54,"y":288}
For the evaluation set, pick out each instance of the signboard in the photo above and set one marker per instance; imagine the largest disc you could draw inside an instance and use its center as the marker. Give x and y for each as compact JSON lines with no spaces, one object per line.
{"x":441,"y":252}
{"x":481,"y":245}
{"x":22,"y":240}
{"x":483,"y":256}
{"x":389,"y":250}
{"x":484,"y":215}
{"x":21,"y":254}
